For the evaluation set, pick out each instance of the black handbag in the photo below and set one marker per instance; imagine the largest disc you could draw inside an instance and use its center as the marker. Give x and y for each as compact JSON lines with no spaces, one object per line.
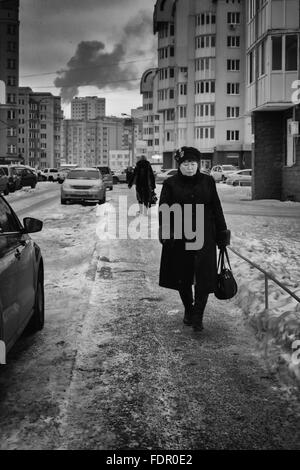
{"x":226,"y":287}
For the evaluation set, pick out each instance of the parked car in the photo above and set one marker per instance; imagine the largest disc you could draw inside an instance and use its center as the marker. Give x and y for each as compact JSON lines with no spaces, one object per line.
{"x":41,"y":175}
{"x":63,"y":172}
{"x":51,"y":174}
{"x":83,"y":184}
{"x":21,"y":276}
{"x":107,"y":176}
{"x":28,"y":176}
{"x":164,"y":174}
{"x":220,"y":172}
{"x":119,"y":177}
{"x":4,"y":186}
{"x":240,"y":178}
{"x":14,"y":180}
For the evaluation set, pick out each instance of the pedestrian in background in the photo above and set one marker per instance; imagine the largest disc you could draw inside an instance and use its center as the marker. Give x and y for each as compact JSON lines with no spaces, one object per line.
{"x":180,"y":268}
{"x":144,"y":180}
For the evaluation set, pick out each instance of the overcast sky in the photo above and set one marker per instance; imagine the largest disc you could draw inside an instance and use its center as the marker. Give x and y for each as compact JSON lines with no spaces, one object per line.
{"x":87,"y":47}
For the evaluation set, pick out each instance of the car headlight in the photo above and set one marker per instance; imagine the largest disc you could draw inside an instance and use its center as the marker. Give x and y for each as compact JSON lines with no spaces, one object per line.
{"x":65,"y":186}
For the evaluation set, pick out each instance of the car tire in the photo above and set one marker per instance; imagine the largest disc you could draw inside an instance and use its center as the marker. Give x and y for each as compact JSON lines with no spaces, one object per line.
{"x":6,"y":191}
{"x":36,"y":323}
{"x":235,"y":183}
{"x":111,"y":188}
{"x":63,"y":201}
{"x":33,"y":185}
{"x":223,"y":179}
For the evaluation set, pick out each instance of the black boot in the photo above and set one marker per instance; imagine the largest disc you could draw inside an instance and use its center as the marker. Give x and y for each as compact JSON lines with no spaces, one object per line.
{"x":198,"y":310}
{"x":186,"y":295}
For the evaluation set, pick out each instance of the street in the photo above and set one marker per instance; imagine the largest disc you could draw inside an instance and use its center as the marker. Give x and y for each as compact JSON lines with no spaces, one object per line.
{"x":115,"y":368}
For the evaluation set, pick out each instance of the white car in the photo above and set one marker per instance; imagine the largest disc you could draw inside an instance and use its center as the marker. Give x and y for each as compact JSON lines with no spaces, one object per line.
{"x":221,"y":172}
{"x":164,"y":174}
{"x":83,"y":184}
{"x":240,"y":178}
{"x":51,"y":174}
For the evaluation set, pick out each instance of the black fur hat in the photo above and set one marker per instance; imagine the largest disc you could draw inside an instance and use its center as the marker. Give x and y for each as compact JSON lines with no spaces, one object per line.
{"x":187,"y":153}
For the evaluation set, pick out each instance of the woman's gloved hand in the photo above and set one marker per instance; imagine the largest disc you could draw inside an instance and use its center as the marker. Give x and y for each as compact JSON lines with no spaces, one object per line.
{"x":223,"y":239}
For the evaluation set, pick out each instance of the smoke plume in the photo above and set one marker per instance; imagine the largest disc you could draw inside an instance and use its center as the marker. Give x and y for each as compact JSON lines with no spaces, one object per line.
{"x":93,"y":65}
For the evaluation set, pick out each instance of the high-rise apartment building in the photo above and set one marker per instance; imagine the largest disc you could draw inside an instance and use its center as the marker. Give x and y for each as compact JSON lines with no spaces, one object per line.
{"x":88,"y":142}
{"x":198,"y":88}
{"x":39,"y":134}
{"x":9,"y":79}
{"x":273,"y":92}
{"x":87,"y":107}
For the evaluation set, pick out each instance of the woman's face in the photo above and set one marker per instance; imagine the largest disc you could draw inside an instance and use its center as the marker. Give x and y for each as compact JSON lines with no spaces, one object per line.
{"x":188,"y":167}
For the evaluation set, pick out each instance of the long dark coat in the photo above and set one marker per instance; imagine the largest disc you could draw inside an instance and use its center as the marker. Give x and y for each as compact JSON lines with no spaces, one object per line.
{"x":144,"y":181}
{"x":180,"y":267}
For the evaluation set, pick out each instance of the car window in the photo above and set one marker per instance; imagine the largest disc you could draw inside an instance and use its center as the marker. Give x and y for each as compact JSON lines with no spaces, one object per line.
{"x":104,"y":170}
{"x":8,"y":222}
{"x":84,"y":174}
{"x":52,"y":170}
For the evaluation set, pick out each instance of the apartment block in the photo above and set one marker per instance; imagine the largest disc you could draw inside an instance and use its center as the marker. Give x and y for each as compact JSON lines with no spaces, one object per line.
{"x":39,"y":128}
{"x":87,"y":107}
{"x":198,"y":88}
{"x":272,"y":92}
{"x":9,"y":80}
{"x":88,"y":142}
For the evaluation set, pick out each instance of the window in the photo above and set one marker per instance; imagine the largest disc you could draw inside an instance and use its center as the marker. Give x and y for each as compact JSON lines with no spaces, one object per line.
{"x":12,"y":132}
{"x":11,"y":46}
{"x":170,"y":115}
{"x":291,"y":46}
{"x":204,"y":86}
{"x":207,"y":109}
{"x":205,"y":41}
{"x":11,"y":114}
{"x":171,"y":72}
{"x":171,"y":94}
{"x":233,"y":41}
{"x":12,"y":81}
{"x":276,"y":52}
{"x":11,"y":98}
{"x":262,"y":58}
{"x":11,"y":149}
{"x":182,"y":112}
{"x":11,"y":29}
{"x":233,"y":88}
{"x":251,"y":56}
{"x":204,"y":133}
{"x":232,"y":135}
{"x":182,"y":88}
{"x":233,"y":111}
{"x":233,"y":17}
{"x":171,"y":51}
{"x":233,"y":65}
{"x":11,"y":64}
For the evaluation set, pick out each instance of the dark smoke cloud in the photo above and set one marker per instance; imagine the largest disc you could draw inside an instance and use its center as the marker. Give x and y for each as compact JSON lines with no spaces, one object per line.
{"x":93,"y":65}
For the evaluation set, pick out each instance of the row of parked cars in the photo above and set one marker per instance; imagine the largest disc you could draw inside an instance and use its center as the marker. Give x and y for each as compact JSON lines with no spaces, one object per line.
{"x":229,"y":174}
{"x":14,"y":177}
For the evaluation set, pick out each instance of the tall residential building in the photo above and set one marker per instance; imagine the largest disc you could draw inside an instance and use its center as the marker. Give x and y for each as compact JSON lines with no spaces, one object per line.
{"x":273,"y":96}
{"x":39,"y":134}
{"x":9,"y":79}
{"x":88,"y":142}
{"x":198,"y":87}
{"x":87,"y":107}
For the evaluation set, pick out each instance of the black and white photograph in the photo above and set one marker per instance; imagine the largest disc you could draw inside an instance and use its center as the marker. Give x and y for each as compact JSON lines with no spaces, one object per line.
{"x":150,"y":228}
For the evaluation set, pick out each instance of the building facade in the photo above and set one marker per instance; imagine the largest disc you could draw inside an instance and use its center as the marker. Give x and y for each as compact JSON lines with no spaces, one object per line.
{"x":272,"y":87}
{"x":119,"y":160}
{"x":87,"y":107}
{"x":9,"y":80}
{"x":198,"y":88}
{"x":88,"y":142}
{"x":39,"y":128}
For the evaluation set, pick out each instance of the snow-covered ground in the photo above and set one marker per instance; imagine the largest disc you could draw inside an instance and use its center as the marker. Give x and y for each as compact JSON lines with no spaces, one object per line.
{"x":273,"y":243}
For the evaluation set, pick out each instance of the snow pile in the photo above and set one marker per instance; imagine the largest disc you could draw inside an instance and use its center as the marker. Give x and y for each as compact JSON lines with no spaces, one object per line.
{"x":277,"y":327}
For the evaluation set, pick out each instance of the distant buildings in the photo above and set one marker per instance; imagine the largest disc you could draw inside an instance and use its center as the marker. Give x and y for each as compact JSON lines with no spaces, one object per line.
{"x":88,"y":142}
{"x":87,"y":107}
{"x":9,"y":79}
{"x":119,"y":160}
{"x":39,"y":128}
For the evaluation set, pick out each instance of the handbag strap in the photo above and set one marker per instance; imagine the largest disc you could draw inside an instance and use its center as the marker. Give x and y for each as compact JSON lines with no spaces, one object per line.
{"x":221,"y":260}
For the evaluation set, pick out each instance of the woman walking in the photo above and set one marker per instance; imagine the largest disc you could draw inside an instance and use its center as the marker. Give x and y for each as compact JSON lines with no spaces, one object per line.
{"x":144,"y":181}
{"x":181,"y":268}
